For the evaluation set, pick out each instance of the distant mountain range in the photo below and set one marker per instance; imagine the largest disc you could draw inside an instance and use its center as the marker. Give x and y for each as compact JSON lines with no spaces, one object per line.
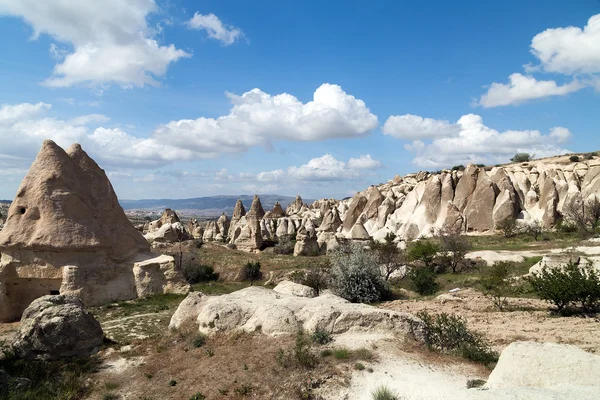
{"x":208,"y":206}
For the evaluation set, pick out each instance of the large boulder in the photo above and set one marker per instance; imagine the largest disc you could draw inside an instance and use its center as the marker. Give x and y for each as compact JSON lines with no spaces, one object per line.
{"x":295,"y":289}
{"x":355,"y":209}
{"x":544,"y":365}
{"x":479,"y":209}
{"x":258,"y":309}
{"x":54,"y":327}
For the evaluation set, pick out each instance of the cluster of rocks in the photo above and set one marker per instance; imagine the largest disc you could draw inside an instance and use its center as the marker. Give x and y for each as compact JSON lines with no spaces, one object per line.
{"x":67,"y":234}
{"x":475,"y":200}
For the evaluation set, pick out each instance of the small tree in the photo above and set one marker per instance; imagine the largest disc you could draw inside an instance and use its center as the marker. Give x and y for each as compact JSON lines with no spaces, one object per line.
{"x":455,"y":245}
{"x":535,"y":229}
{"x":584,"y":214}
{"x":574,"y":158}
{"x":251,"y":272}
{"x":508,"y":227}
{"x":423,"y":280}
{"x":423,"y":250}
{"x":317,"y":278}
{"x":389,"y":256}
{"x":496,"y":284}
{"x":355,"y":274}
{"x":521,"y":157}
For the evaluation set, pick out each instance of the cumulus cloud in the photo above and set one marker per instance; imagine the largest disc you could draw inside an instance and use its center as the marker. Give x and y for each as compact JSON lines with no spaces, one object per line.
{"x":474,"y":142}
{"x":98,"y":42}
{"x":271,"y":176}
{"x":328,"y":168}
{"x":414,"y":127}
{"x":570,"y":51}
{"x":522,"y":88}
{"x":215,"y":29}
{"x":257,"y":118}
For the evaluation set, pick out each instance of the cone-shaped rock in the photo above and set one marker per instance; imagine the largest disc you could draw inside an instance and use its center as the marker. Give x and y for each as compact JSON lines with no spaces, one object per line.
{"x":256,"y":209}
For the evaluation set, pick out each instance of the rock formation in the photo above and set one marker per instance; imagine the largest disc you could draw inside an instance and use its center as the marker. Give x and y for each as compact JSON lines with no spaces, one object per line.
{"x":167,"y":229}
{"x":54,"y":327}
{"x":66,"y":233}
{"x":258,"y":309}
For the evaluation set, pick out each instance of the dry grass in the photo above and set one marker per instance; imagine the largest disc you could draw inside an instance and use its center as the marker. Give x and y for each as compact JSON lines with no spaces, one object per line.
{"x":227,"y":366}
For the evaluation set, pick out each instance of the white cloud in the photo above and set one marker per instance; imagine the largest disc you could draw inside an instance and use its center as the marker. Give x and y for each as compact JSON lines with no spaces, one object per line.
{"x":523,"y":88}
{"x":271,"y":176}
{"x":215,"y":29}
{"x":364,"y":162}
{"x":101,"y":42}
{"x":328,"y":168}
{"x":89,"y":119}
{"x":257,"y":118}
{"x":12,"y":113}
{"x":477,"y":143}
{"x":569,"y":50}
{"x":415,"y":127}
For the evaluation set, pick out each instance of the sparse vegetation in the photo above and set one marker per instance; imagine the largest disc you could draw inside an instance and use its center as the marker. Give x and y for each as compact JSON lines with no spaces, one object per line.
{"x":389,"y":256}
{"x":574,"y":158}
{"x":447,"y":333}
{"x":356,"y":275}
{"x":423,"y":280}
{"x":535,"y":229}
{"x":300,"y":356}
{"x":584,"y":214}
{"x":508,"y":227}
{"x":199,"y":340}
{"x":317,"y":278}
{"x":423,"y":250}
{"x":285,"y":246}
{"x":321,"y":336}
{"x":194,"y":272}
{"x":198,"y":396}
{"x":455,"y":247}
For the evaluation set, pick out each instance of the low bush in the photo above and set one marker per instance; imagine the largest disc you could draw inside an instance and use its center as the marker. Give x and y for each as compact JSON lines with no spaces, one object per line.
{"x":574,"y":158}
{"x":447,"y":333}
{"x":566,"y":286}
{"x":355,"y":274}
{"x":321,"y":336}
{"x":199,"y":340}
{"x":284,"y":247}
{"x":423,"y":280}
{"x":521,"y":157}
{"x":301,"y":355}
{"x":316,"y":278}
{"x":194,"y":272}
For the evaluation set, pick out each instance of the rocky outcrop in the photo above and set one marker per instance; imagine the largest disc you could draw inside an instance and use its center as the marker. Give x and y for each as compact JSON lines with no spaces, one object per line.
{"x":258,"y":309}
{"x":355,"y":209}
{"x":294,"y":289}
{"x":167,"y":229}
{"x":306,"y":241}
{"x":66,"y":233}
{"x":55,"y":327}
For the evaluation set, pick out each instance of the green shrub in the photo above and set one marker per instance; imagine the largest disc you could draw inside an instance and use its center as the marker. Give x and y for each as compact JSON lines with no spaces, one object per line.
{"x":341,"y":353}
{"x":521,"y":157}
{"x":508,"y":227}
{"x":355,"y":274}
{"x":384,"y":393}
{"x":447,"y":333}
{"x":423,"y":280}
{"x":359,"y":366}
{"x":172,"y":382}
{"x":285,"y":246}
{"x":301,"y":355}
{"x":316,"y":278}
{"x":422,"y":250}
{"x":321,"y":336}
{"x":574,"y":158}
{"x":198,"y":396}
{"x":458,"y":168}
{"x":251,"y":272}
{"x":199,"y":340}
{"x":196,"y":273}
{"x":563,"y":286}
{"x":496,"y":284}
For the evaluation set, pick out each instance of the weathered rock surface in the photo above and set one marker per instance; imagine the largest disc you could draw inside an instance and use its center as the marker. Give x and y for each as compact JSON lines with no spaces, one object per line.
{"x":544,"y":365}
{"x":54,"y":327}
{"x":66,"y":233}
{"x":258,"y":309}
{"x":295,"y":289}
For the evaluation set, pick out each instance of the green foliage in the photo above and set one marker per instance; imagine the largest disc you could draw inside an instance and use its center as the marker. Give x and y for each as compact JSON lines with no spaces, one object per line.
{"x":388,"y":255}
{"x":198,"y":396}
{"x":199,"y":340}
{"x":243,"y":390}
{"x":496,"y":283}
{"x":194,"y":272}
{"x":321,"y":336}
{"x":172,"y":382}
{"x":455,"y":247}
{"x":475,"y":383}
{"x":458,"y":168}
{"x":447,"y":333}
{"x":359,"y":366}
{"x":355,"y":275}
{"x":423,"y":250}
{"x":535,"y":229}
{"x":285,"y":246}
{"x":384,"y":393}
{"x":521,"y":157}
{"x":316,"y":278}
{"x":568,"y":285}
{"x":423,"y":280}
{"x":251,"y":272}
{"x":341,"y":353}
{"x":574,"y":158}
{"x":51,"y":380}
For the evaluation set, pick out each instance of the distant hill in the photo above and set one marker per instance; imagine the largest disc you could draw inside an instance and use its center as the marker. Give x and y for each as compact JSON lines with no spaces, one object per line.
{"x":210,"y":205}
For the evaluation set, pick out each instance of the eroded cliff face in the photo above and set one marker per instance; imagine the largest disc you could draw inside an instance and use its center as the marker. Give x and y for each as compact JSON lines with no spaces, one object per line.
{"x":66,"y":233}
{"x":475,"y":200}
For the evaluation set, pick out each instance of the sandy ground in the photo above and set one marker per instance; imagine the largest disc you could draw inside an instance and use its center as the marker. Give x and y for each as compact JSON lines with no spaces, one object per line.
{"x":527,"y":319}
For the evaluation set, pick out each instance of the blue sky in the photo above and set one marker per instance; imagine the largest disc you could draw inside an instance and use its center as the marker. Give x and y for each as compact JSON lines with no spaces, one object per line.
{"x":184,"y":98}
